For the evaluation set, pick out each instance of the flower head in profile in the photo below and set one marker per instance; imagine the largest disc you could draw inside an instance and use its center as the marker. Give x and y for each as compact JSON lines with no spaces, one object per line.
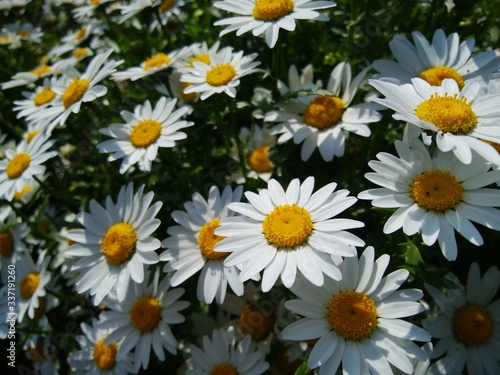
{"x":269,"y":16}
{"x":115,"y":244}
{"x":434,"y":195}
{"x":321,"y":121}
{"x":281,"y":232}
{"x":466,"y":322}
{"x":221,"y":73}
{"x":145,"y":130}
{"x":358,"y":320}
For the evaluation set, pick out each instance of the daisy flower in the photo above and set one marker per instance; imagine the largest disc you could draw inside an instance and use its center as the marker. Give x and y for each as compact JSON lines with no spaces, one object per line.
{"x":445,"y":57}
{"x":321,"y":120}
{"x":296,"y":82}
{"x":9,"y":4}
{"x":269,"y":16}
{"x":221,"y":355}
{"x":23,"y":32}
{"x":42,"y":97}
{"x":458,"y":118}
{"x":358,"y":319}
{"x":434,"y":195}
{"x":281,"y":232}
{"x":96,"y":357}
{"x":467,"y":323}
{"x":11,"y":245}
{"x":167,"y":9}
{"x":142,"y":321}
{"x":191,"y":245}
{"x":134,"y":7}
{"x":115,"y":243}
{"x":145,"y":130}
{"x":30,"y":77}
{"x":221,"y":74}
{"x":23,"y":164}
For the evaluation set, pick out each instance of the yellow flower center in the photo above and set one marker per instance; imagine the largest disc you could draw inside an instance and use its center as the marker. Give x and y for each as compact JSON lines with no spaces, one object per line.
{"x":41,"y":70}
{"x":104,"y":355}
{"x":187,"y":97}
{"x":353,"y":315}
{"x":223,"y":369}
{"x":145,"y":314}
{"x":28,"y":285}
{"x":46,"y":95}
{"x":80,"y":34}
{"x":94,"y":2}
{"x":448,"y":113}
{"x":156,"y":61}
{"x":19,"y":194}
{"x":23,"y":33}
{"x":258,"y":160}
{"x":257,"y":323}
{"x":287,"y":226}
{"x":6,"y":244}
{"x":436,"y":190}
{"x":5,"y":39}
{"x":118,"y":244}
{"x":166,"y":5}
{"x":272,"y":10}
{"x":473,"y":325}
{"x":145,"y":133}
{"x":31,"y":135}
{"x":17,"y":165}
{"x":80,"y":52}
{"x":437,"y":74}
{"x":220,"y":74}
{"x":324,"y":112}
{"x":204,"y":58}
{"x":207,"y":239}
{"x":75,"y":91}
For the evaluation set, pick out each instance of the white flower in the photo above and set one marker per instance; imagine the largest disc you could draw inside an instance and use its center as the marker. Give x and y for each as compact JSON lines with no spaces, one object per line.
{"x":11,"y":245}
{"x":269,"y":16}
{"x":37,"y":100}
{"x":221,"y":355}
{"x":358,"y":319}
{"x":142,"y":321}
{"x":467,"y":323}
{"x":145,"y":130}
{"x":459,"y":118}
{"x":221,"y":74}
{"x":321,"y":120}
{"x":434,"y":195}
{"x":281,"y":232}
{"x":191,"y":245}
{"x":115,"y":243}
{"x":297,"y":83}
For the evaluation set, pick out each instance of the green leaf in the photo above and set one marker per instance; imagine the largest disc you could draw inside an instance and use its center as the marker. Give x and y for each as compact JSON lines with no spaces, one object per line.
{"x":303,"y":369}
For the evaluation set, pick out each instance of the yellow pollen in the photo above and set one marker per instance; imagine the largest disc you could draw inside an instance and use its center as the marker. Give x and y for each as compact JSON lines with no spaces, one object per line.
{"x":204,"y":58}
{"x":436,"y":190}
{"x":46,"y":95}
{"x":145,"y":314}
{"x":17,"y":165}
{"x":118,"y":244}
{"x":80,"y":34}
{"x":19,"y":194}
{"x":207,"y":239}
{"x":23,"y":33}
{"x":31,"y":135}
{"x":104,"y":355}
{"x":145,"y":133}
{"x":258,"y":160}
{"x":94,"y":2}
{"x":220,"y":74}
{"x":187,"y":97}
{"x":28,"y":285}
{"x":272,"y":10}
{"x":353,"y":315}
{"x":156,"y":61}
{"x":80,"y":52}
{"x":287,"y":226}
{"x":223,"y":369}
{"x":75,"y":91}
{"x":257,"y":323}
{"x":166,"y":5}
{"x":448,"y":113}
{"x":324,"y":112}
{"x":6,"y":244}
{"x":437,"y":74}
{"x":41,"y":70}
{"x":473,"y":325}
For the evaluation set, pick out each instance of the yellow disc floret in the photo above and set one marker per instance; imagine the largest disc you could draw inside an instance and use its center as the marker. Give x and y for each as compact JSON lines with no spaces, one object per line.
{"x":80,"y":52}
{"x":473,"y":325}
{"x":207,"y":239}
{"x":223,"y":369}
{"x":256,"y":322}
{"x":448,"y":113}
{"x":166,"y":5}
{"x":17,"y":165}
{"x":437,"y":74}
{"x":272,"y":10}
{"x":44,"y":96}
{"x":118,"y":243}
{"x":105,"y":355}
{"x":353,"y":315}
{"x":18,"y":194}
{"x":31,"y":135}
{"x":28,"y":285}
{"x":41,"y":70}
{"x":145,"y":314}
{"x":6,"y":244}
{"x":203,"y":57}
{"x":187,"y":97}
{"x":220,"y":74}
{"x":145,"y":133}
{"x":436,"y":190}
{"x":324,"y":112}
{"x":287,"y":226}
{"x":156,"y":61}
{"x":75,"y":91}
{"x":258,"y":160}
